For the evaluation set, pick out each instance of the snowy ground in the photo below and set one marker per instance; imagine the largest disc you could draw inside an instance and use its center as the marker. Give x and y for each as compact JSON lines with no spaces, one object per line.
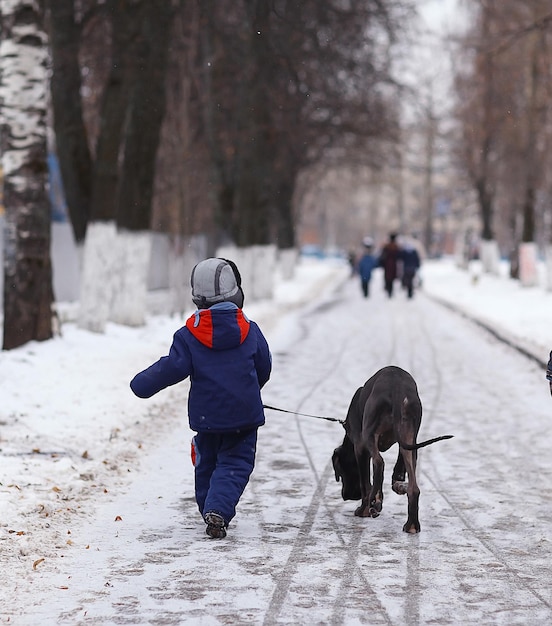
{"x":98,"y":520}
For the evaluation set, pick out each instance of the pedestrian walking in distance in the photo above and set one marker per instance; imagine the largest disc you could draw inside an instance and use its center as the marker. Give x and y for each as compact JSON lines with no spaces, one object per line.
{"x":389,"y":258}
{"x":549,"y":372}
{"x":366,"y":264}
{"x":410,"y":266}
{"x":228,"y":361}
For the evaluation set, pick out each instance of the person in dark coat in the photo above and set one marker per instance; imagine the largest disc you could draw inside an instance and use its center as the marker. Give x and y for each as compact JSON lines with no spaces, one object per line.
{"x":549,"y":372}
{"x":388,"y":260}
{"x":366,"y":265}
{"x":228,"y":361}
{"x":410,"y":265}
{"x":352,"y":258}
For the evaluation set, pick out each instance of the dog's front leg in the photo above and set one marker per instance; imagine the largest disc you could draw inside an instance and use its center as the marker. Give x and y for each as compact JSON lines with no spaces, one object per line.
{"x":376,"y":494}
{"x":398,"y":482}
{"x":364,"y":462}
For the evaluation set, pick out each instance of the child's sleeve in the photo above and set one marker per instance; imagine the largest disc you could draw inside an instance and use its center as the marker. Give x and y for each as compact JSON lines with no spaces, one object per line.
{"x":549,"y":372}
{"x":168,"y":371}
{"x":263,"y":359}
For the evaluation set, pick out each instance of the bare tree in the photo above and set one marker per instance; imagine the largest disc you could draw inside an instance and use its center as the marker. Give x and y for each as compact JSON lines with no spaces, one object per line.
{"x":479,"y":114}
{"x":113,"y":188}
{"x":23,"y":103}
{"x":182,"y":202}
{"x":285,"y":84}
{"x":505,"y":114}
{"x":69,"y":127}
{"x":144,"y":115}
{"x":118,"y":182}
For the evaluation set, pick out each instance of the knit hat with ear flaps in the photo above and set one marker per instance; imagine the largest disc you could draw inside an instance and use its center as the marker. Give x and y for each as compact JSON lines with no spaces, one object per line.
{"x":216,"y":280}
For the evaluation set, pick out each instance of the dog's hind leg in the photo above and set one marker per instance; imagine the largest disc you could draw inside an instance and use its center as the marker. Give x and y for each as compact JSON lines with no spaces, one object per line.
{"x":412,"y":523}
{"x":398,"y":482}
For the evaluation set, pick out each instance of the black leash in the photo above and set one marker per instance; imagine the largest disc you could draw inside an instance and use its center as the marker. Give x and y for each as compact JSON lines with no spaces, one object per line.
{"x":319,"y":417}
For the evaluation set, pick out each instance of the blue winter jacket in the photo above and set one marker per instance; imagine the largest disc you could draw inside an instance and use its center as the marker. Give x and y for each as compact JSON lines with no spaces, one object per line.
{"x":367,"y":263}
{"x":228,"y":361}
{"x":410,"y":259}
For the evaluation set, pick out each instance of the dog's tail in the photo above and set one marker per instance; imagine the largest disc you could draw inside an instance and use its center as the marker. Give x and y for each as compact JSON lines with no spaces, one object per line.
{"x":422,"y":444}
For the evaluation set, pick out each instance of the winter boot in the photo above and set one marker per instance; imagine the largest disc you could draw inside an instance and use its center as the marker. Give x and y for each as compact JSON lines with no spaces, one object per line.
{"x":215,"y":525}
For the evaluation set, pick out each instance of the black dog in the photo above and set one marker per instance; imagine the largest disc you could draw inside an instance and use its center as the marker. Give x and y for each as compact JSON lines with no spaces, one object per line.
{"x":385,"y":411}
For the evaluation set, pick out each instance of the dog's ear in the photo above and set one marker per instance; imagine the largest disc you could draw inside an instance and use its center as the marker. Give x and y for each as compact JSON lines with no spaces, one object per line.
{"x":336,"y":464}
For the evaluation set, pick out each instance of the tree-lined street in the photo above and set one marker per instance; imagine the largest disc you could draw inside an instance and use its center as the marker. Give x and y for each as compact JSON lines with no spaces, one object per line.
{"x":296,"y":553}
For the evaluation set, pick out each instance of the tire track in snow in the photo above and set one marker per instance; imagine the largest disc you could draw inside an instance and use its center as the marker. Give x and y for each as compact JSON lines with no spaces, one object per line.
{"x":433,"y":475}
{"x":418,"y":351}
{"x":426,"y":464}
{"x":488,"y":545}
{"x":349,"y":567}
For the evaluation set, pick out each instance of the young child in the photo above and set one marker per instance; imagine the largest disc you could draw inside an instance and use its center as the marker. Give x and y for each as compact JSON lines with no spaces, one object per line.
{"x":366,"y":265}
{"x":228,"y":361}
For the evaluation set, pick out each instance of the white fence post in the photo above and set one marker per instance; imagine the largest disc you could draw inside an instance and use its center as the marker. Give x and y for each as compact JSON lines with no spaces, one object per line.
{"x":490,"y":257}
{"x":528,"y":275}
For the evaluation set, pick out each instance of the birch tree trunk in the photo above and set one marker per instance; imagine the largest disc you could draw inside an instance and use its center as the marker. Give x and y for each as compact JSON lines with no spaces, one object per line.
{"x":28,"y":292}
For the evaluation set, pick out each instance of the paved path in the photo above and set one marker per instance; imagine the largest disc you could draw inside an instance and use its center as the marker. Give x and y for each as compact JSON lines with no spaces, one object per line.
{"x":296,"y":554}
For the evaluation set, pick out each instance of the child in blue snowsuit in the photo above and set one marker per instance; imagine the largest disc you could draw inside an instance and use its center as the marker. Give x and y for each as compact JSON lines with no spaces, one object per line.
{"x":228,"y":361}
{"x":366,"y":265}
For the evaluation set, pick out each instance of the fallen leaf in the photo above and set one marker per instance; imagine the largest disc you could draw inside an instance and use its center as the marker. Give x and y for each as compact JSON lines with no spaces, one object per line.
{"x":37,"y":563}
{"x":64,"y":587}
{"x":56,"y":489}
{"x":85,"y":454}
{"x":118,"y":518}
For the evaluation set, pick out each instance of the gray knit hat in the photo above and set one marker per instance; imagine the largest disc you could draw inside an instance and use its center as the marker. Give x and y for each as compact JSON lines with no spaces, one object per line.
{"x":216,"y":280}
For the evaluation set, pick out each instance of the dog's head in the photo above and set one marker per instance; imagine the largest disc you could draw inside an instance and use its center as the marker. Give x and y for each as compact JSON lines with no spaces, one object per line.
{"x":346,"y":469}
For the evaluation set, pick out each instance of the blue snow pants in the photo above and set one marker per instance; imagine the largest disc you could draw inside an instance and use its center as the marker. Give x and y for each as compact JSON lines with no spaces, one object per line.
{"x":223,"y":465}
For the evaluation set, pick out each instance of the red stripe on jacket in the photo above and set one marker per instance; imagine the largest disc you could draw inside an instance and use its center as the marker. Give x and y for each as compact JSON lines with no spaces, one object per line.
{"x":202,"y":330}
{"x":243,"y":324}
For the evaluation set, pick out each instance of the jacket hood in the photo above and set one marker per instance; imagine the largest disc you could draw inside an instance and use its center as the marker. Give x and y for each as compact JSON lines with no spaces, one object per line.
{"x":221,"y":327}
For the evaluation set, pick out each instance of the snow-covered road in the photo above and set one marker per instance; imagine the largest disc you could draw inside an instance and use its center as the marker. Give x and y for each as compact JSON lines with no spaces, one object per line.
{"x":296,"y":554}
